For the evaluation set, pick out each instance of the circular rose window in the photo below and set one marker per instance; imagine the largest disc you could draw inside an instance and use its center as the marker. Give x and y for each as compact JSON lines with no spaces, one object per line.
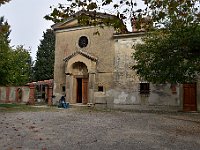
{"x":83,"y":41}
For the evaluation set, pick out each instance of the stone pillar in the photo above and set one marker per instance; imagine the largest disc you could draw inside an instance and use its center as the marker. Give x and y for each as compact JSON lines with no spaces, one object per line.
{"x":16,"y":95}
{"x":46,"y":93}
{"x":50,"y":93}
{"x":31,"y":100}
{"x":91,"y":88}
{"x":73,"y":91}
{"x":67,"y":88}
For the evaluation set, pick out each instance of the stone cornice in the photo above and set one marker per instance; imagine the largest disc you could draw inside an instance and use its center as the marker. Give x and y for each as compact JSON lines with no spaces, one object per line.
{"x":80,"y":52}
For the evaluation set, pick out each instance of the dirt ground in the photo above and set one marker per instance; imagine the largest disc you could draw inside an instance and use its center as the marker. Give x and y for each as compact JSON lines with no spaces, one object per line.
{"x":75,"y":129}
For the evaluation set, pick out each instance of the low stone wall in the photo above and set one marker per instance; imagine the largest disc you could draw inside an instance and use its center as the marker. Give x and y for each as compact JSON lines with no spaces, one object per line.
{"x":12,"y":94}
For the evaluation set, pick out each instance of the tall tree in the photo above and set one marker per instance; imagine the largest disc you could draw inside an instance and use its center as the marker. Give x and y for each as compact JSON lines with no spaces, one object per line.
{"x":171,"y":52}
{"x":166,"y":57}
{"x":14,"y":63}
{"x":20,"y":66}
{"x":44,"y":65}
{"x":4,"y":51}
{"x":4,"y":29}
{"x":4,"y":64}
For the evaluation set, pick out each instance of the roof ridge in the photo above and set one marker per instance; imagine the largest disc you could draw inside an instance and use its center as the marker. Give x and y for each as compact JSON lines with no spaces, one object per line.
{"x":83,"y":12}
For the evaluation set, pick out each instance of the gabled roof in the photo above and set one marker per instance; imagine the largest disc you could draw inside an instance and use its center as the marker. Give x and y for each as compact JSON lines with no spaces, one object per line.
{"x":80,"y":52}
{"x":60,"y":25}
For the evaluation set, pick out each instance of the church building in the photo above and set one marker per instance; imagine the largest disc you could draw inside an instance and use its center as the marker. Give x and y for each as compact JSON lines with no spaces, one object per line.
{"x":95,"y":69}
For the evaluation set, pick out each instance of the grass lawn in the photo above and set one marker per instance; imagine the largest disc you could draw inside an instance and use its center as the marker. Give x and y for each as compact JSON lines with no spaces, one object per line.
{"x":24,"y":108}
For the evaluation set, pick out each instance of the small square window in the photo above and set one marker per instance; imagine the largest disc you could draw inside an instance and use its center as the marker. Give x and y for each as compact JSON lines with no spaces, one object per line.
{"x":100,"y":88}
{"x":144,"y":88}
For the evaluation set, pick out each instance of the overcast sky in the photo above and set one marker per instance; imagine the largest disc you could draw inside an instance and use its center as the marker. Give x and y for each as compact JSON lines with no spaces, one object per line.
{"x":27,"y":22}
{"x":26,"y":18}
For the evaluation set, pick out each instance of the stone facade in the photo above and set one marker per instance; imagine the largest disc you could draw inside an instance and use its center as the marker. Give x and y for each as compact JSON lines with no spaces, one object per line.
{"x":98,"y":70}
{"x":126,"y":90}
{"x":96,"y":61}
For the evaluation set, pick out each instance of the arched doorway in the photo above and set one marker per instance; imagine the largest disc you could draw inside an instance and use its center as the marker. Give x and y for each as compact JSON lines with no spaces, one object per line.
{"x":80,"y":86}
{"x":80,"y":71}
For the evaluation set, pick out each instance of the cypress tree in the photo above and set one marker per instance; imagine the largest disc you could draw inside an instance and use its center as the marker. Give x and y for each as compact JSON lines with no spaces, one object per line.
{"x":44,"y":65}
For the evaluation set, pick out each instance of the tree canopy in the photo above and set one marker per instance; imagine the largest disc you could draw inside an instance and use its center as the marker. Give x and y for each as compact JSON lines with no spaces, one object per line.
{"x":14,"y":63}
{"x":44,"y":66}
{"x":167,"y":57}
{"x":162,"y":12}
{"x":20,"y":66}
{"x":4,"y":51}
{"x":3,"y":2}
{"x":170,"y":50}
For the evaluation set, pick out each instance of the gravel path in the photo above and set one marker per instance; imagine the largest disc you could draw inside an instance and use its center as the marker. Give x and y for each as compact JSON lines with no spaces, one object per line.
{"x":74,"y":129}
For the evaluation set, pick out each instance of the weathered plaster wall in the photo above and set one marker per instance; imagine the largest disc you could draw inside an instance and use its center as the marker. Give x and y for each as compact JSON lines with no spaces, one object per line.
{"x":162,"y":94}
{"x":126,"y":83}
{"x":12,"y":95}
{"x":26,"y":92}
{"x":124,"y":75}
{"x":105,"y":80}
{"x":112,"y":70}
{"x":159,"y":95}
{"x":8,"y":94}
{"x":2,"y":93}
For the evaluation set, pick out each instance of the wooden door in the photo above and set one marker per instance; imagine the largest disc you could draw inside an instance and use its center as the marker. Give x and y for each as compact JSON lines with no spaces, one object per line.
{"x":189,"y":97}
{"x":85,"y":90}
{"x":79,"y":90}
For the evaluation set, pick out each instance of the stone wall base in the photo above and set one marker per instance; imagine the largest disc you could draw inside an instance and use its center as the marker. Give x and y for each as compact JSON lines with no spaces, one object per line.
{"x":139,"y":108}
